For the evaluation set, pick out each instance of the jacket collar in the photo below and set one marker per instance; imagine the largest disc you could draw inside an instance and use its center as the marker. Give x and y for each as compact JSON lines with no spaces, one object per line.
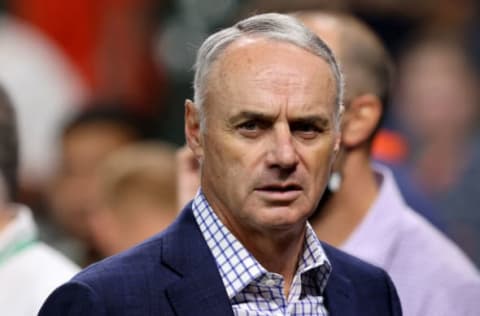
{"x":199,"y":287}
{"x":339,"y":298}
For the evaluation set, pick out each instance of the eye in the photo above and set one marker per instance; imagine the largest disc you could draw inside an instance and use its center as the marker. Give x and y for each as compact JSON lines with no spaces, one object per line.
{"x":305,"y":130}
{"x":251,"y":128}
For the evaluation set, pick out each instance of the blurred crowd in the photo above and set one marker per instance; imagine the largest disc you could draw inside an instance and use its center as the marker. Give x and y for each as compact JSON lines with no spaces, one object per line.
{"x":99,"y":86}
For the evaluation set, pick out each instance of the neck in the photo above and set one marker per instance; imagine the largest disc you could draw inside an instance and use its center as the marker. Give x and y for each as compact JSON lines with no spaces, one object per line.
{"x":277,"y":252}
{"x":277,"y":249}
{"x":346,"y":209}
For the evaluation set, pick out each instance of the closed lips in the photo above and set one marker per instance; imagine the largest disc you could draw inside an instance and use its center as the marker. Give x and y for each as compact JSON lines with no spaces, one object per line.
{"x":280,"y":188}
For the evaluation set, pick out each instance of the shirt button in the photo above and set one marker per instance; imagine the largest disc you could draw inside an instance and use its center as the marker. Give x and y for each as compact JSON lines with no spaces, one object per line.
{"x":270,"y":282}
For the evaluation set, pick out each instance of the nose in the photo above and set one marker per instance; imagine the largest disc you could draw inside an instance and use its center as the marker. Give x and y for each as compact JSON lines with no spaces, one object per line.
{"x":282,"y":152}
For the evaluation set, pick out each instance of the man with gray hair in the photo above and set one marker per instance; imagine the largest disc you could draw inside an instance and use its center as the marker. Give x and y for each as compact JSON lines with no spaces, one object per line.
{"x":264,"y":126}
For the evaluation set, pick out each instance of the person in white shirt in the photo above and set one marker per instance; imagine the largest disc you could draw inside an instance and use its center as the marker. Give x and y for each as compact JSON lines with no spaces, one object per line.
{"x":29,"y":269}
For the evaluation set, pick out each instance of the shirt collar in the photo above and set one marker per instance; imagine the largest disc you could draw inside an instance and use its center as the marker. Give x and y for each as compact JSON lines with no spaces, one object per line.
{"x":238,"y":268}
{"x":22,"y":227}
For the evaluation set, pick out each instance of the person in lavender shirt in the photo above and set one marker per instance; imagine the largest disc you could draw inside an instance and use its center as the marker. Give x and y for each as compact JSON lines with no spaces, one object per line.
{"x":364,"y":213}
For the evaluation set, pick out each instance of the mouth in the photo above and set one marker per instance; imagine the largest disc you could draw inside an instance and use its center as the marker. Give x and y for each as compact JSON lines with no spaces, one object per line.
{"x":279,"y":192}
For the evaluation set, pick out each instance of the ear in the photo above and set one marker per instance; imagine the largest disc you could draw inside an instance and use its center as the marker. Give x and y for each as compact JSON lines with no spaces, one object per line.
{"x":192,"y":129}
{"x":361,"y":119}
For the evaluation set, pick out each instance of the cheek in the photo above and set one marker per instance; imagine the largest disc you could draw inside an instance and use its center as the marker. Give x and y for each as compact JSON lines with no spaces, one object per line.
{"x":318,"y":166}
{"x":320,"y":157}
{"x":226,"y":161}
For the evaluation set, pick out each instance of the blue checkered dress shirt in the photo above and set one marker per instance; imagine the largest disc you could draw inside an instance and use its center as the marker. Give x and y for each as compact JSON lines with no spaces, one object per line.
{"x":253,"y":290}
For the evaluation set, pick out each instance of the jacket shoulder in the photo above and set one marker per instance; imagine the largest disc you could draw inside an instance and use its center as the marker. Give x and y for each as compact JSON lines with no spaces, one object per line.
{"x":130,"y":283}
{"x":370,"y":288}
{"x":138,"y":260}
{"x":351,"y":265}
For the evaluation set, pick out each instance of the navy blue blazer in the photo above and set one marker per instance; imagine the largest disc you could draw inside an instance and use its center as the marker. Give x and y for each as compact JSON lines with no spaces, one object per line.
{"x":174,"y":273}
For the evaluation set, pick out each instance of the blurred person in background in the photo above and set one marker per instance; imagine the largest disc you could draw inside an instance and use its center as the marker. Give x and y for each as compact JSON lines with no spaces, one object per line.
{"x":438,"y":109}
{"x":364,"y":213}
{"x":136,"y":196}
{"x":44,"y":88}
{"x":85,"y":141}
{"x":29,"y":269}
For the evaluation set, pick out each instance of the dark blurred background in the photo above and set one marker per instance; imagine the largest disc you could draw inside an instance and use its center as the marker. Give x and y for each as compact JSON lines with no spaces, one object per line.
{"x":62,"y":61}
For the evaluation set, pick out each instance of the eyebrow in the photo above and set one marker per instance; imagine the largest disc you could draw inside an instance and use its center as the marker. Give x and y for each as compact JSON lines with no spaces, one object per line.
{"x":250,"y":115}
{"x":319,"y":120}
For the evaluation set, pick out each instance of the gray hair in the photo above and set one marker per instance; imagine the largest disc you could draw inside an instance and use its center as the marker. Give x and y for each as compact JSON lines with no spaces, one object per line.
{"x":273,"y":26}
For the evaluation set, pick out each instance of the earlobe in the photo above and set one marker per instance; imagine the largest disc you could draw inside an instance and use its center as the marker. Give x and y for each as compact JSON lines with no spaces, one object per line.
{"x":192,"y":128}
{"x":361,"y":119}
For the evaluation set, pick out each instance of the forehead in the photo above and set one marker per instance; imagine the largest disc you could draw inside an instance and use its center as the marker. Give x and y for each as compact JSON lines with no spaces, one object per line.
{"x":252,"y":71}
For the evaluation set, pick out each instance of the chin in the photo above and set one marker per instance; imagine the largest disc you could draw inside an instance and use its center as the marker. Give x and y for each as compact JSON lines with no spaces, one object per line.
{"x":284,"y":216}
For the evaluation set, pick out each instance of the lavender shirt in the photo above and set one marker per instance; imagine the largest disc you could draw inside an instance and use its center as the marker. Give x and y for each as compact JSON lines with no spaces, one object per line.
{"x":432,"y":276}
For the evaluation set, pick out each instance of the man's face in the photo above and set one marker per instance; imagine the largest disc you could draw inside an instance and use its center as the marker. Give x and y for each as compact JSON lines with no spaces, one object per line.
{"x":269,"y":137}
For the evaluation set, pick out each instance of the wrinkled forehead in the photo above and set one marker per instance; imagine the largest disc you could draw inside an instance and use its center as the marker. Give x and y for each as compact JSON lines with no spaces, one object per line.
{"x":258,"y":71}
{"x":257,"y":58}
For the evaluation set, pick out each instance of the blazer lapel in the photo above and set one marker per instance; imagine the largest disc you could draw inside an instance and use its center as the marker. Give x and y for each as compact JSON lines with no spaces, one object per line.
{"x":338,"y":298}
{"x":339,"y":293}
{"x":199,"y":290}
